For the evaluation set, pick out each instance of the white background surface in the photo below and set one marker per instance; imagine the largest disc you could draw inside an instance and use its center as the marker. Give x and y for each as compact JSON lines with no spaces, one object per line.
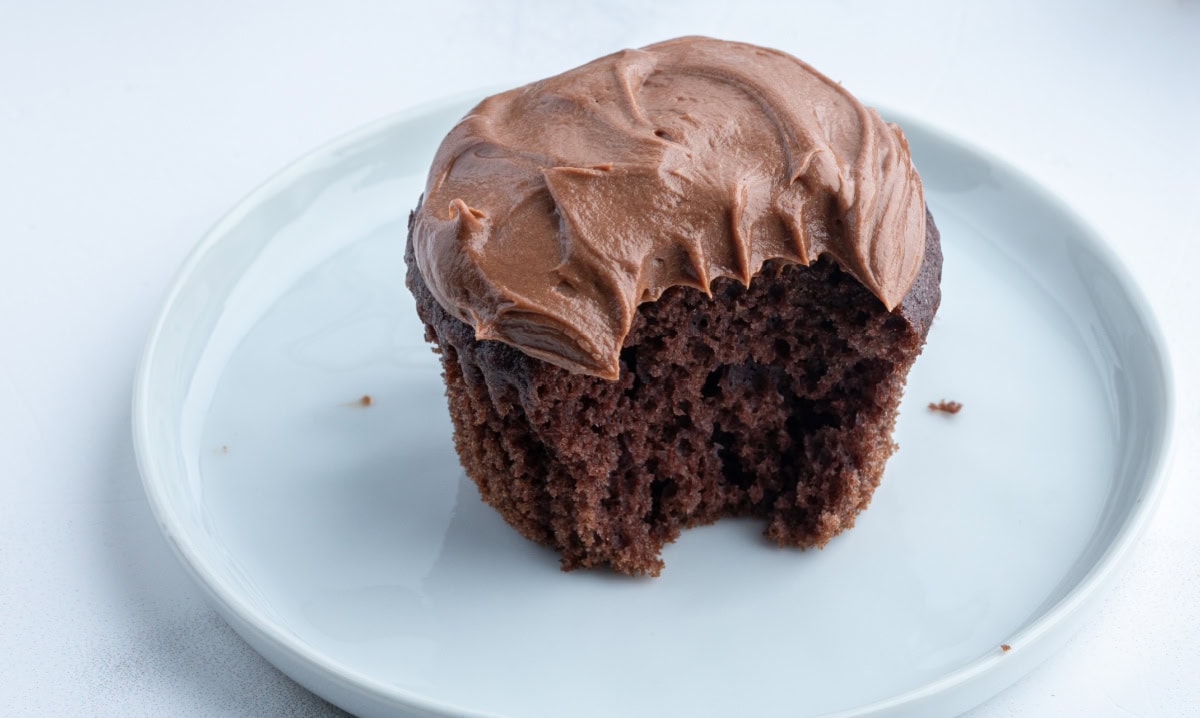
{"x":126,"y":130}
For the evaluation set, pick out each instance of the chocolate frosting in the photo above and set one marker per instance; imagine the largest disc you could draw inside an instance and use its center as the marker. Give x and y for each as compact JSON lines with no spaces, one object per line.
{"x":551,"y":211}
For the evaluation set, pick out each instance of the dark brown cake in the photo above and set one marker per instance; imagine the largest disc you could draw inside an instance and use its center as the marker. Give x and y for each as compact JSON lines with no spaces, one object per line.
{"x":777,"y":401}
{"x":664,"y":291}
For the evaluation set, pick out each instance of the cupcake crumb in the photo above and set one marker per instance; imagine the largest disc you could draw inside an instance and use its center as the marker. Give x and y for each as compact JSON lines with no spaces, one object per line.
{"x":946,"y":407}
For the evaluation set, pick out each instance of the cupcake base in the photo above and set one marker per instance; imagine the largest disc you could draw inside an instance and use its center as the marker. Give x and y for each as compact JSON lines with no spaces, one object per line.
{"x":776,"y":401}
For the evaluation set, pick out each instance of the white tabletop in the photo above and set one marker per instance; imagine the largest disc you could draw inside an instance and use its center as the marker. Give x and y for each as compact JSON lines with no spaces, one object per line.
{"x":126,"y":129}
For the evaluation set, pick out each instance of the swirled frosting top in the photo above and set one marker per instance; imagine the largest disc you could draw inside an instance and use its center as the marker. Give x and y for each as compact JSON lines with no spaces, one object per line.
{"x":551,"y":211}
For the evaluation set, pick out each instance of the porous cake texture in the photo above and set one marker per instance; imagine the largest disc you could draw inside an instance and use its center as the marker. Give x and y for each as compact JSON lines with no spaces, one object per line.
{"x":775,"y":401}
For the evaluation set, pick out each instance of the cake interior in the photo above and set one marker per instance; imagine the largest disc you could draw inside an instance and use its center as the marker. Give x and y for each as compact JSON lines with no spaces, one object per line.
{"x":775,"y":401}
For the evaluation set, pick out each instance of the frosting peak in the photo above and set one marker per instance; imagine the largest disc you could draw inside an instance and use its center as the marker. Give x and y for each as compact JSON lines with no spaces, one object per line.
{"x":552,"y":210}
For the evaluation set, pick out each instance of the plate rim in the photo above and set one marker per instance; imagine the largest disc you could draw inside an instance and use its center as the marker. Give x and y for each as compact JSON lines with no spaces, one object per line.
{"x":244,"y":617}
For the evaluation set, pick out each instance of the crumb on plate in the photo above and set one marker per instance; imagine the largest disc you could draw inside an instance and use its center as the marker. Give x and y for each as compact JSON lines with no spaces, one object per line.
{"x":946,"y":407}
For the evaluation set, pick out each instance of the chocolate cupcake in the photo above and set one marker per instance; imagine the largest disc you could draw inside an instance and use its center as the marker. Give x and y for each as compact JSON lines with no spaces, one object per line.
{"x":674,"y":284}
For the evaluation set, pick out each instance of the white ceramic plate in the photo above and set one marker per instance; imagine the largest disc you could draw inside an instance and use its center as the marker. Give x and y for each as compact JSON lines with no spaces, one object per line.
{"x":344,"y":544}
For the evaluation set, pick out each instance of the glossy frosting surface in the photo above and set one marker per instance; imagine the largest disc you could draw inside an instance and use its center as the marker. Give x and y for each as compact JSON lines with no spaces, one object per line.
{"x":552,"y":210}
